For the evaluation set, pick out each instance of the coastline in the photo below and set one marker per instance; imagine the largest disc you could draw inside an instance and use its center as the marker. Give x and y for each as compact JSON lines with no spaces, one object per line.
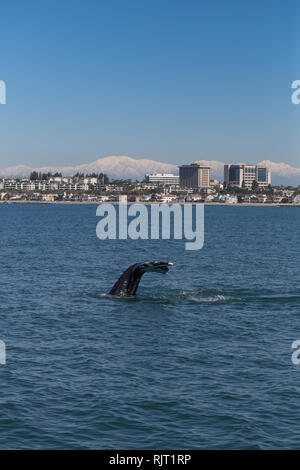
{"x":242,"y":204}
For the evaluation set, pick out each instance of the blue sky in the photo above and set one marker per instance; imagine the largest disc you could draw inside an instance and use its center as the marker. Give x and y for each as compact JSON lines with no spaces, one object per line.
{"x":175,"y":81}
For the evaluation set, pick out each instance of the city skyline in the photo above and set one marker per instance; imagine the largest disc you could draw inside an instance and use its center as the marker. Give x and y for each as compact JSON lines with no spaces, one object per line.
{"x":125,"y":167}
{"x":169,"y":81}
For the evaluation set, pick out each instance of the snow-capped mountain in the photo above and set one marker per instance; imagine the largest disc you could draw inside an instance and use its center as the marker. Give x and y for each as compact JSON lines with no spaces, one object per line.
{"x":114,"y":167}
{"x":127,"y":167}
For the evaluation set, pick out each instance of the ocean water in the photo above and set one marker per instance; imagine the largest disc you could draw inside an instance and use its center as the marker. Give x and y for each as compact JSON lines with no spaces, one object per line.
{"x":200,"y":359}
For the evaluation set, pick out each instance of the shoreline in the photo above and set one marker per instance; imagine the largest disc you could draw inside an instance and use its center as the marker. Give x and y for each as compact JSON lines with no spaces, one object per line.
{"x":243,"y":204}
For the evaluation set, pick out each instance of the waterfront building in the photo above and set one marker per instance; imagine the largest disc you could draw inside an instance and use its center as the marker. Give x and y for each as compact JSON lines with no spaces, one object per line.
{"x":244,"y":175}
{"x":194,"y":176}
{"x":162,"y":179}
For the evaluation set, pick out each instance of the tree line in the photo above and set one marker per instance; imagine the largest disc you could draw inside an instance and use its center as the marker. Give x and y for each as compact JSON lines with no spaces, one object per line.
{"x":39,"y":176}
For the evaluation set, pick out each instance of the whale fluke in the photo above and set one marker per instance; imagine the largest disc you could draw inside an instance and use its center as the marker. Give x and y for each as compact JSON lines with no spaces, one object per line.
{"x":128,"y":283}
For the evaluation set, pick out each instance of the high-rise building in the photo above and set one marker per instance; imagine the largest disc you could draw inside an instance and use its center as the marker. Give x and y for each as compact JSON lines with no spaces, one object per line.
{"x":194,"y":176}
{"x":244,"y":175}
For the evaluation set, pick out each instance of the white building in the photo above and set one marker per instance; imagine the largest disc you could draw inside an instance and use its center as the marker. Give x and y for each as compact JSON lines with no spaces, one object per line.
{"x":162,"y":178}
{"x":90,"y":180}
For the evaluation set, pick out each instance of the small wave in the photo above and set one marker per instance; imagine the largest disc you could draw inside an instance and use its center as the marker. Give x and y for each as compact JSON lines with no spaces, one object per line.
{"x":207,"y":296}
{"x":112,"y":297}
{"x":98,"y":296}
{"x":211,"y":299}
{"x":170,"y":298}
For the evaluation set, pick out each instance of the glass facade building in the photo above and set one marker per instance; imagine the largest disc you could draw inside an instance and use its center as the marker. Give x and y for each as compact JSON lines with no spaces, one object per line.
{"x":244,"y":175}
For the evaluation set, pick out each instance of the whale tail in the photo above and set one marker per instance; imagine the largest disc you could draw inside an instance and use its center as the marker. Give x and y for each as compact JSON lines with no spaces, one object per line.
{"x":128,"y":282}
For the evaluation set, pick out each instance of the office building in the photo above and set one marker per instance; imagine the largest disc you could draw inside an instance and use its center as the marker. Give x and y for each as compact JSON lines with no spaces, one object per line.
{"x":244,"y":175}
{"x":194,"y":176}
{"x":162,"y":179}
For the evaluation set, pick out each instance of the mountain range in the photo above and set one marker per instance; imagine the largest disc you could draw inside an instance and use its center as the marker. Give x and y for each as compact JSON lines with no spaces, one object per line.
{"x":118,"y":167}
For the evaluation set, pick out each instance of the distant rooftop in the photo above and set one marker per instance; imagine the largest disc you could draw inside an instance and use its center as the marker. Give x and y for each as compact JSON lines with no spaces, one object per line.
{"x":170,"y":175}
{"x":195,"y":165}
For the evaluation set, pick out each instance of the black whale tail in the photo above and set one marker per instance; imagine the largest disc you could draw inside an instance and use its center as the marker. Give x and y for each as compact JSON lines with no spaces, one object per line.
{"x":128,"y":283}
